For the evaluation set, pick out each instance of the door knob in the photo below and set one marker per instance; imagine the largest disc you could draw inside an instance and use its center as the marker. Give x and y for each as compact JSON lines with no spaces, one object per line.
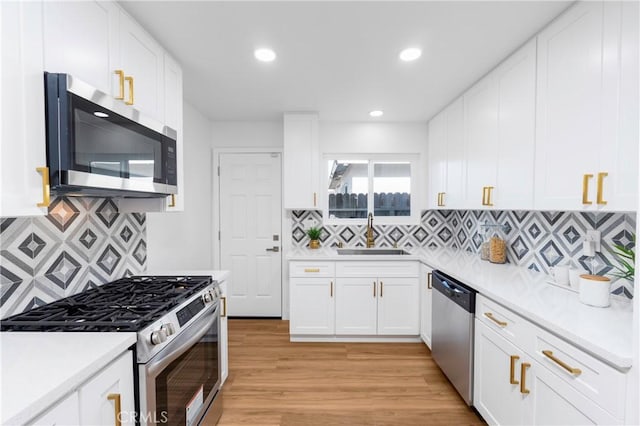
{"x":274,"y":249}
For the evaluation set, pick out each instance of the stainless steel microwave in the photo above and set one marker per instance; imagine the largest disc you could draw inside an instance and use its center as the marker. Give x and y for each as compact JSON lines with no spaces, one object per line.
{"x":98,"y":146}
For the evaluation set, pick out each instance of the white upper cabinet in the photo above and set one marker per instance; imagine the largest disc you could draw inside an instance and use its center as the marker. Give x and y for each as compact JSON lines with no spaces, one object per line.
{"x":586,"y":145}
{"x":81,"y":39}
{"x":142,"y":60}
{"x":301,"y":161}
{"x":500,"y":134}
{"x":447,"y":158}
{"x":23,"y":190}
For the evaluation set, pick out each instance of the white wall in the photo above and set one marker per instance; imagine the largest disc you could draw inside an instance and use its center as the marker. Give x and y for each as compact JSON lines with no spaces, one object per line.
{"x":247,"y":134}
{"x":373,"y":138}
{"x":183,"y":240}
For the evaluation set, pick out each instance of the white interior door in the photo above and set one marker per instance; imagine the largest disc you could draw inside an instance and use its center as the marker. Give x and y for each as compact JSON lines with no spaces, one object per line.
{"x":250,"y":232}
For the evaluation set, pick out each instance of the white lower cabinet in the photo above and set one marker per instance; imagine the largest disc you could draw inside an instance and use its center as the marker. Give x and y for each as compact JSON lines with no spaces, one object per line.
{"x":426,"y":294}
{"x":63,"y":413}
{"x":525,"y":375}
{"x":354,"y":298}
{"x":107,"y":399}
{"x":224,"y":332}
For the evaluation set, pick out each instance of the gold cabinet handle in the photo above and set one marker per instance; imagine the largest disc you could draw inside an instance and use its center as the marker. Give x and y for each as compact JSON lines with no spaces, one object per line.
{"x":331,"y":291}
{"x":494,"y":319}
{"x":315,"y":199}
{"x":484,"y":195}
{"x":117,"y":407}
{"x":574,"y":371}
{"x":429,"y":280}
{"x":601,"y":177}
{"x":129,"y":79}
{"x":381,"y":287}
{"x":374,"y":289}
{"x":312,"y":269}
{"x":523,"y":378}
{"x":585,"y":189}
{"x":489,"y":189}
{"x":442,"y":194}
{"x":172,"y":201}
{"x":224,"y":307}
{"x":512,"y":370}
{"x":438,"y":202}
{"x":120,"y":75}
{"x":46,"y":189}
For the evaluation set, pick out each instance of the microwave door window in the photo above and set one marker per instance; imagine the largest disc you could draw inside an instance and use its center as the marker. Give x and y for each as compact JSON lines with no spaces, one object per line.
{"x":109,"y":146}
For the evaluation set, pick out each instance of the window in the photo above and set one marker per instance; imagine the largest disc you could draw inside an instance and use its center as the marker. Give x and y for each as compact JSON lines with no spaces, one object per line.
{"x":382,"y":186}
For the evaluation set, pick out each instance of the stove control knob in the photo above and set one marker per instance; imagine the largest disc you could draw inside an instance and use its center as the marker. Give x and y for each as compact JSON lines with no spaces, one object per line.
{"x":158,"y":336}
{"x":168,"y":328}
{"x":207,"y":297}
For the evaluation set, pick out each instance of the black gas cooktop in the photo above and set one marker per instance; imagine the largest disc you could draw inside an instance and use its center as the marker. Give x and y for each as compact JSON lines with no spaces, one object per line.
{"x":128,"y":304}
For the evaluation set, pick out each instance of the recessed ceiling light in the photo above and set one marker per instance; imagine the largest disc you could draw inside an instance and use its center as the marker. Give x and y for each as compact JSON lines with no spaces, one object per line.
{"x":410,"y":54}
{"x":100,"y":114}
{"x":376,"y":113}
{"x":265,"y":55}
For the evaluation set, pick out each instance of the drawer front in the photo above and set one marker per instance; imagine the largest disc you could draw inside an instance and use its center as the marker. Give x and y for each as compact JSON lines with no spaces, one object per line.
{"x":600,"y":382}
{"x":378,"y":269}
{"x":506,"y":323}
{"x":312,"y":269}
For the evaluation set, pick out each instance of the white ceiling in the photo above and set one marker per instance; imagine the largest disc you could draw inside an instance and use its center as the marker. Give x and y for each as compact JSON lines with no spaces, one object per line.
{"x":337,"y":58}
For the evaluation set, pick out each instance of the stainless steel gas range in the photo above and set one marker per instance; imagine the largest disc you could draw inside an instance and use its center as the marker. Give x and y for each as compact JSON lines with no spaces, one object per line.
{"x":177,"y":320}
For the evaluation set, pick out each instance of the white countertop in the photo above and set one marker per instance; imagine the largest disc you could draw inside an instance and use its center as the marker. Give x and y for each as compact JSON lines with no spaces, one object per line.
{"x":604,"y":332}
{"x":38,"y":369}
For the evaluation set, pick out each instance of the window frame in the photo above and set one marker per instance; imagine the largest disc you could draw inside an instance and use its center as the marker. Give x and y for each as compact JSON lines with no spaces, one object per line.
{"x":372,"y":159}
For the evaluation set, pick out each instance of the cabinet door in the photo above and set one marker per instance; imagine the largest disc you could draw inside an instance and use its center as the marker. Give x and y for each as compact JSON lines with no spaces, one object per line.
{"x":301,"y":162}
{"x":515,"y":81}
{"x":425,"y":305}
{"x":494,"y":395}
{"x":80,"y":38}
{"x":224,"y":332}
{"x":312,"y":306}
{"x":569,"y":107}
{"x":22,"y":137}
{"x":456,"y":156}
{"x":65,"y":412}
{"x":399,"y":306}
{"x":481,"y":140}
{"x":142,"y":59}
{"x":437,"y":156}
{"x":98,"y":396}
{"x":173,"y":119}
{"x":356,"y":306}
{"x":551,"y":401}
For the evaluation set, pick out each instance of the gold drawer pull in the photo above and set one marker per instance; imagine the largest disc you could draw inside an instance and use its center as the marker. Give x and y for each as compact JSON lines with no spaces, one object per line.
{"x":130,"y":80}
{"x":374,"y":289}
{"x":523,"y":377}
{"x":489,"y":189}
{"x":494,"y":319}
{"x":599,"y":199}
{"x":117,"y":407}
{"x":574,"y":371}
{"x":312,"y":269}
{"x":381,"y":287}
{"x":429,"y":280}
{"x":224,"y":306}
{"x":331,"y":291}
{"x":585,"y":189}
{"x":315,"y":199}
{"x":512,"y":370}
{"x":172,"y":201}
{"x":46,"y":196}
{"x":120,"y":75}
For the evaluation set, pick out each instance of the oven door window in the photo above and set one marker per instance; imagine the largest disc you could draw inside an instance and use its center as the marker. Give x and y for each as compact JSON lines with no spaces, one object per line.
{"x":183,"y":387}
{"x":108,"y":144}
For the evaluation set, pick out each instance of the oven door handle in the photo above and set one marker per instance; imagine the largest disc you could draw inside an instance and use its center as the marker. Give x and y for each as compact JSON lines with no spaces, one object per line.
{"x":183,"y":341}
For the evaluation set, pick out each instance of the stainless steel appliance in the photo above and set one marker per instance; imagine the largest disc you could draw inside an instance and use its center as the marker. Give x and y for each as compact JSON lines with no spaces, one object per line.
{"x":177,"y":320}
{"x":453,"y":310}
{"x":99,"y":146}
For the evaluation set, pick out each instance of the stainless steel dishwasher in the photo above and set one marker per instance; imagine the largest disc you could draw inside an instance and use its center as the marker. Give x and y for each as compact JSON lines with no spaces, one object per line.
{"x":453,"y":309}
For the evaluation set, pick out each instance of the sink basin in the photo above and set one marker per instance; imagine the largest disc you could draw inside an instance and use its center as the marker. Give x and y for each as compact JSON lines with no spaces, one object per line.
{"x":370,"y":251}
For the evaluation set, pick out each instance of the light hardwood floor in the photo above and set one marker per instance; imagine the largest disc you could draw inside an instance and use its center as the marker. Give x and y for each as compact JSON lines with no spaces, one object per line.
{"x":275,"y":382}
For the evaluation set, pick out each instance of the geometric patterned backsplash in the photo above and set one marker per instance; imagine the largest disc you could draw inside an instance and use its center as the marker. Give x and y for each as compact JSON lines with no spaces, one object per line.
{"x":81,"y":243}
{"x":535,"y":240}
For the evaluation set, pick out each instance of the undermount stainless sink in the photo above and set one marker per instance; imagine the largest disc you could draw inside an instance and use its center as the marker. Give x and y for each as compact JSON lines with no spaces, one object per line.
{"x":369,"y":251}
